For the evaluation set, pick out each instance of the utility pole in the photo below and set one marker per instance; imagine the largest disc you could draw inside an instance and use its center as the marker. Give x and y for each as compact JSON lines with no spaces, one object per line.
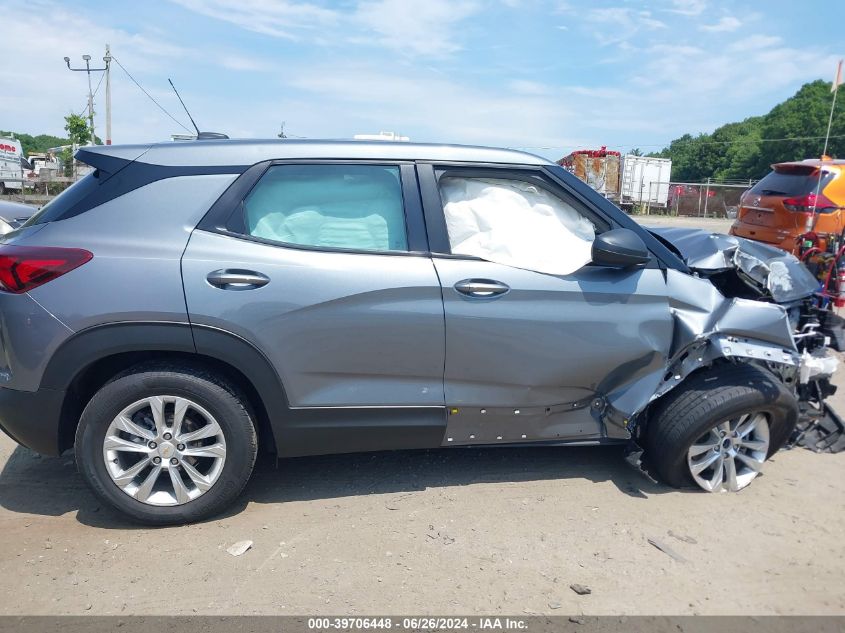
{"x":107,"y":59}
{"x":89,"y":70}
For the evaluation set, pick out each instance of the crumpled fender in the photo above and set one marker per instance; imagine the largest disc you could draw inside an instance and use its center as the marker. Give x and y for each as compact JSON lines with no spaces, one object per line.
{"x":707,"y":326}
{"x":770,"y":271}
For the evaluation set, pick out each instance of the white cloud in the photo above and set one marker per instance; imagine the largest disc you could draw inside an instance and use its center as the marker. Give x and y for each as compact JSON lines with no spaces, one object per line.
{"x":654,"y":86}
{"x":724,"y":25}
{"x":696,"y":78}
{"x":411,"y":29}
{"x":39,"y":91}
{"x":525,"y":87}
{"x":423,"y":28}
{"x":276,"y":18}
{"x":688,"y":7}
{"x":439,"y":108}
{"x":244,"y":63}
{"x":621,"y":24}
{"x":754,"y":42}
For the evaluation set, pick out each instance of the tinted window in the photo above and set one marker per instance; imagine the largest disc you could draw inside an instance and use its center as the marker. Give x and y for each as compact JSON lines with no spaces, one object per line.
{"x":330,"y":206}
{"x":779,"y":183}
{"x":78,"y":191}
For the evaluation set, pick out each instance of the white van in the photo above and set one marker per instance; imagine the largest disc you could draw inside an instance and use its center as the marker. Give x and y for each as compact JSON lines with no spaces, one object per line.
{"x":11,"y":165}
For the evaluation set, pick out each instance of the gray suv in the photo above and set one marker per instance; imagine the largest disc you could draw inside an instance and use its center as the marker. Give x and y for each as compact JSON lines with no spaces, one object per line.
{"x":186,"y":305}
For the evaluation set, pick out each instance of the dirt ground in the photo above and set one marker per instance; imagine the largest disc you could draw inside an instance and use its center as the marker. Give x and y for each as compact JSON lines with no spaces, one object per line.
{"x":455,"y":531}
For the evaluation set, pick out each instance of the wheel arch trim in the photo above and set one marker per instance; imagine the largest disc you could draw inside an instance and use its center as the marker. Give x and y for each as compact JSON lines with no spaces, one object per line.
{"x":701,"y":353}
{"x":98,"y":343}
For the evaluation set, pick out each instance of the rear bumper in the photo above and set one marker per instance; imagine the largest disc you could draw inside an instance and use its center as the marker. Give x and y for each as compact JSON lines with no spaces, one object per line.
{"x":781,"y":238}
{"x":31,"y":418}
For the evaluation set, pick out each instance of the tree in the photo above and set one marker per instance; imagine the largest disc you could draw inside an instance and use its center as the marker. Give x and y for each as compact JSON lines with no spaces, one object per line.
{"x":66,"y":159}
{"x":39,"y":143}
{"x":803,"y":115}
{"x":739,"y":151}
{"x":636,"y":151}
{"x":77,"y":128}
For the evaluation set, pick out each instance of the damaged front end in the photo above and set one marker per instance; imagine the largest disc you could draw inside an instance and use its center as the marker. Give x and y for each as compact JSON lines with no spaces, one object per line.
{"x":753,"y":303}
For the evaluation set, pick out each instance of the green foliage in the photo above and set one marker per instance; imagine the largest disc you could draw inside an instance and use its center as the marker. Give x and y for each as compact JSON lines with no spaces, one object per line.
{"x":77,"y":128}
{"x":736,"y":150}
{"x":40,"y":143}
{"x":66,"y":159}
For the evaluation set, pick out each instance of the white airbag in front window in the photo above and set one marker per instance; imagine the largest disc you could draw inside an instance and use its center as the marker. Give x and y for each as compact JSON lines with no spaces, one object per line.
{"x":515,"y":223}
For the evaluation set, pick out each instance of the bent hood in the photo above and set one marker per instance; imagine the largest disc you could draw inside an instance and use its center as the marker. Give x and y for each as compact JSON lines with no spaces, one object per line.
{"x":771,"y":272}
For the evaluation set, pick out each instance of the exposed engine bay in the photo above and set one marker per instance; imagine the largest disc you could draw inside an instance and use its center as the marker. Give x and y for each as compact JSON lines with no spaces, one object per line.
{"x":747,"y":271}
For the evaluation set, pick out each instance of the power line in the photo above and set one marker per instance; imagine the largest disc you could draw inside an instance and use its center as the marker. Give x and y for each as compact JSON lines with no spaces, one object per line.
{"x":693,"y":140}
{"x":96,"y":90}
{"x":99,"y":83}
{"x":161,"y":107}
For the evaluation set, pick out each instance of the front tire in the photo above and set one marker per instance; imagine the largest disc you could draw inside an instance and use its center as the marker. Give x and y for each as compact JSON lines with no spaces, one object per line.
{"x":167,"y":444}
{"x":716,"y":429}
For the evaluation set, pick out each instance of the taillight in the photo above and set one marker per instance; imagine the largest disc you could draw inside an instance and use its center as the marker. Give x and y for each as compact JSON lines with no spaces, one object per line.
{"x":805,"y":203}
{"x":23,"y":268}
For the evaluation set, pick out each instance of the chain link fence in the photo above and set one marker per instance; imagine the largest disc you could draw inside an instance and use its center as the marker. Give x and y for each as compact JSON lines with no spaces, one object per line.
{"x":709,"y":199}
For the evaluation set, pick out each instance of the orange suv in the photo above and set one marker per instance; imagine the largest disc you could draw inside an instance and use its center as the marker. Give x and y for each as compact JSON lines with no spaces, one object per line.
{"x":779,"y":208}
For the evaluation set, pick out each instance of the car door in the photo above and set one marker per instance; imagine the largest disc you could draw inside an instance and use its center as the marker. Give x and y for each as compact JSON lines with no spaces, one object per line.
{"x":323,"y":267}
{"x":536,"y":355}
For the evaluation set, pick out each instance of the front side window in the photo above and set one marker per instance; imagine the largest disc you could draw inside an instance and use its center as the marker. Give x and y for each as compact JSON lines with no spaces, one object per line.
{"x":516,"y":223}
{"x":329,"y":206}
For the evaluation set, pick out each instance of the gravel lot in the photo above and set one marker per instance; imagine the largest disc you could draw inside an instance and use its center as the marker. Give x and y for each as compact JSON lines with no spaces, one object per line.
{"x":437,"y":532}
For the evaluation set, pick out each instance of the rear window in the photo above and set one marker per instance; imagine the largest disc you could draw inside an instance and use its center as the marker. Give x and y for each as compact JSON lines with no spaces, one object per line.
{"x":56,"y":208}
{"x":795,"y":183}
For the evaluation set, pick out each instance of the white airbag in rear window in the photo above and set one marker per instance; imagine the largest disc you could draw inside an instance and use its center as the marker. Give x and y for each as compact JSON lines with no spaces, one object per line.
{"x":515,"y":223}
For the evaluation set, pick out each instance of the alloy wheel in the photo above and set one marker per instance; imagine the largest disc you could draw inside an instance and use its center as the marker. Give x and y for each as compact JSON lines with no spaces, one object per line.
{"x":164,"y":450}
{"x":731,"y":454}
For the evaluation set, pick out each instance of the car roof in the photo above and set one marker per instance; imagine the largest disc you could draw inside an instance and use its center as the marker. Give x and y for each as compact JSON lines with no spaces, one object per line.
{"x":15,"y":210}
{"x":812,"y":162}
{"x":248,"y":152}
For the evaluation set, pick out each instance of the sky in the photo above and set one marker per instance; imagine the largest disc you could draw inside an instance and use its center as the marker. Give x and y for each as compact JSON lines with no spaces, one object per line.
{"x":546,"y":75}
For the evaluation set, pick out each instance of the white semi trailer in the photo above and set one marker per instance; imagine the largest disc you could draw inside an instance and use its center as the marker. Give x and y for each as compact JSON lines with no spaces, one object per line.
{"x":644,"y":181}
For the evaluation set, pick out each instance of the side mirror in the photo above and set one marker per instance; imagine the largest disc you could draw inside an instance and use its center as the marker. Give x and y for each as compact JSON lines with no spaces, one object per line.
{"x":620,"y":248}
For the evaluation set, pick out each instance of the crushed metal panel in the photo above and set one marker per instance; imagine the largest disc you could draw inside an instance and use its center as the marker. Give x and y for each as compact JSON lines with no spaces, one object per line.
{"x":707,"y":326}
{"x":700,"y":326}
{"x":551,"y":342}
{"x":769,"y":270}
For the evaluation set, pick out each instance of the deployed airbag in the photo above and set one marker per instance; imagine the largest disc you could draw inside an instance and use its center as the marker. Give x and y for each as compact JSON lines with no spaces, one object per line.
{"x":344,"y":206}
{"x":515,"y":223}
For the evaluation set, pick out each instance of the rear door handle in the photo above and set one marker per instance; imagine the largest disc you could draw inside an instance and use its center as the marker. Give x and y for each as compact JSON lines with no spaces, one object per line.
{"x":481,"y":288}
{"x":236,"y":279}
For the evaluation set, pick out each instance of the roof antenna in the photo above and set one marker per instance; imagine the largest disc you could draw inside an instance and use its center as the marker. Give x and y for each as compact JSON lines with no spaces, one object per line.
{"x":200,"y":135}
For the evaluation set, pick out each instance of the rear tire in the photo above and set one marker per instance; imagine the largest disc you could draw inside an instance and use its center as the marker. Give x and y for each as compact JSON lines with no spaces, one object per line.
{"x":197,"y":466}
{"x":717,"y":405}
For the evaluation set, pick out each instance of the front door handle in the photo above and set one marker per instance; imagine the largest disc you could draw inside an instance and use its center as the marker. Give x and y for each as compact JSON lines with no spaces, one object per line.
{"x":236,"y":279}
{"x":481,"y":288}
